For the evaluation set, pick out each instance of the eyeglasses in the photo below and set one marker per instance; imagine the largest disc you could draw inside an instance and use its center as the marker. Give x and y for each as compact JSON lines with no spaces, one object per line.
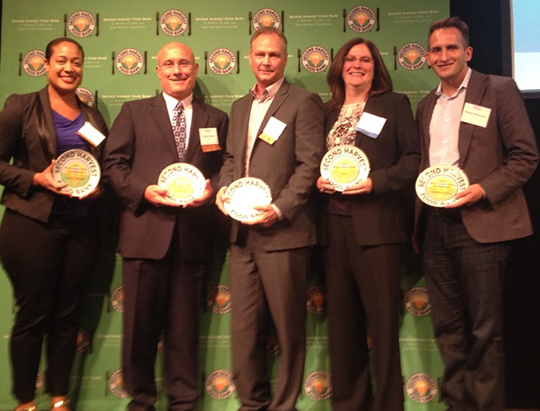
{"x":361,"y":60}
{"x":183,"y":64}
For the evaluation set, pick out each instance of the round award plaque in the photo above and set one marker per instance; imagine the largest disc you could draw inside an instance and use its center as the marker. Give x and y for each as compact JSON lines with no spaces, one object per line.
{"x":437,"y":186}
{"x":182,"y":181}
{"x":245,"y":193}
{"x":78,"y":170}
{"x":345,"y":166}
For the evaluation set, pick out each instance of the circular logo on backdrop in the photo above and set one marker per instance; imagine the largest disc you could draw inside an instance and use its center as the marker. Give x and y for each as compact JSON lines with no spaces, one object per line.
{"x":417,"y":302}
{"x":173,"y":22}
{"x":34,"y":63}
{"x":361,"y":19}
{"x":421,"y":388}
{"x":316,"y":300}
{"x":82,"y":341}
{"x":318,"y":386}
{"x":117,"y":299}
{"x":222,"y":61}
{"x":85,"y":96}
{"x":116,"y":384}
{"x":81,"y":24}
{"x":266,"y":18}
{"x":219,"y":384}
{"x":315,"y":59}
{"x":219,"y":299}
{"x":129,"y":61}
{"x":412,"y":56}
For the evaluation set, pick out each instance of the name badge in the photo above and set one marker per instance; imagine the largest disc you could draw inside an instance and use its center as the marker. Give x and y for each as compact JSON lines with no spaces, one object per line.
{"x":475,"y":115}
{"x":273,"y":130}
{"x":209,"y":139}
{"x":91,"y":134}
{"x":370,"y":125}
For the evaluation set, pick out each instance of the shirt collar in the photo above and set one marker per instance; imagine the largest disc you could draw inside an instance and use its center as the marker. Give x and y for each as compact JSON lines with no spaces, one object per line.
{"x":171,"y":102}
{"x":463,"y":86}
{"x":269,"y":92}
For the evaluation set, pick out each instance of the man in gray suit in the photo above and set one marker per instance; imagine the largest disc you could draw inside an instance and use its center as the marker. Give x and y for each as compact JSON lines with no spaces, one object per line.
{"x":164,"y":246}
{"x":270,"y":254}
{"x":480,"y":124}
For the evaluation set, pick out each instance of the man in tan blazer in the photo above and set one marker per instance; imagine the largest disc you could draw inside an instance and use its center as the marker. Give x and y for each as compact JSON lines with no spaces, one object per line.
{"x":465,"y":245}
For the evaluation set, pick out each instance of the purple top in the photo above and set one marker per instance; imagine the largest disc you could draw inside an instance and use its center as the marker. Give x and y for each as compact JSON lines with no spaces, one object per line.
{"x":68,"y":139}
{"x":66,"y":133}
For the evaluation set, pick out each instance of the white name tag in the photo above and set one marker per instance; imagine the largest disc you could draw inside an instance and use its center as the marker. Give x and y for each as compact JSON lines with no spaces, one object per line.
{"x":370,"y":125}
{"x":209,"y":139}
{"x":273,"y":130}
{"x":91,"y":134}
{"x":475,"y":115}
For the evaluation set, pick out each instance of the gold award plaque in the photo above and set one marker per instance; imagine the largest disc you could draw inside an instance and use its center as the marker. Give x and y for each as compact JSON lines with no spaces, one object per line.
{"x":78,"y":170}
{"x":183,"y":182}
{"x":243,"y":194}
{"x":345,"y":166}
{"x":438,"y":186}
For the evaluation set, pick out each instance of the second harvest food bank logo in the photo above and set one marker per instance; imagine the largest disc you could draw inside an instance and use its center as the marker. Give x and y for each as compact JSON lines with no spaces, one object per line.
{"x":129,"y":61}
{"x":173,"y":22}
{"x":222,"y":61}
{"x":34,"y":63}
{"x":81,"y":24}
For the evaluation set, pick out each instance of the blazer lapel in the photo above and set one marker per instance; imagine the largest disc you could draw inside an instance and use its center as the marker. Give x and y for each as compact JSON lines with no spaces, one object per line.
{"x":475,"y":92}
{"x":370,"y":107}
{"x":46,"y":127}
{"x":279,"y":99}
{"x":198,"y":120}
{"x":163,"y":122}
{"x":89,"y":116}
{"x":244,"y":108}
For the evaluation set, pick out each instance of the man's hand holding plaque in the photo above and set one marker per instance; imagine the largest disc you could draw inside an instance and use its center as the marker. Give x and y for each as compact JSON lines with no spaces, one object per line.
{"x":442,"y":185}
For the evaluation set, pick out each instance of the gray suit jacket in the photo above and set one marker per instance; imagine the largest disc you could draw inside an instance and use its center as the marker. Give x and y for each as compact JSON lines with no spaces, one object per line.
{"x":28,"y":136}
{"x":141,"y":144}
{"x":500,"y":157}
{"x":290,"y":166}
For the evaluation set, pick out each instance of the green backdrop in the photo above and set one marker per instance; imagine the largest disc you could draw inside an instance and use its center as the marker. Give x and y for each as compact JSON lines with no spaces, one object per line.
{"x":121,"y":39}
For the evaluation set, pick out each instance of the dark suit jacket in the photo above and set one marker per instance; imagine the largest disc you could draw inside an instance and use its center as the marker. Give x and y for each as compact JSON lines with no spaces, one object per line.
{"x":500,"y":157}
{"x":140,"y":146}
{"x":28,"y":135}
{"x":290,"y":166}
{"x":394,"y":157}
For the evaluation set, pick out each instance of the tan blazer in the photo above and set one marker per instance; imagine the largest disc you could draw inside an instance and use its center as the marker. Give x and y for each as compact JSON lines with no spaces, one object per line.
{"x":500,"y":157}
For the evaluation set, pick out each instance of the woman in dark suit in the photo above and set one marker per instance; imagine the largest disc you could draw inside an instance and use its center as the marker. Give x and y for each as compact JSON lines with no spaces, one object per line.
{"x":364,"y":229}
{"x":48,"y":240}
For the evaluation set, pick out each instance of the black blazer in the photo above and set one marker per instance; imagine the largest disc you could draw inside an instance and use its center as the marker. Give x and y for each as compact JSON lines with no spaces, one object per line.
{"x":140,"y":146}
{"x":394,"y":157}
{"x":28,"y":136}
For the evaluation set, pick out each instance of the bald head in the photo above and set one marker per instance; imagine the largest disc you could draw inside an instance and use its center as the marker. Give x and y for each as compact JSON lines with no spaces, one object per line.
{"x":174,"y":46}
{"x":176,"y":70}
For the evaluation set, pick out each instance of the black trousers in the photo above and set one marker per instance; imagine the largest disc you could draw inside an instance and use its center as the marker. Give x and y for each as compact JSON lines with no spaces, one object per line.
{"x":162,"y":296}
{"x":362,"y":285}
{"x":48,"y":265}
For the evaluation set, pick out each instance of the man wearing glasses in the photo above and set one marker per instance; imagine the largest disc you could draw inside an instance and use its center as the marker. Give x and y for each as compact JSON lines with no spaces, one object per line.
{"x":164,"y":246}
